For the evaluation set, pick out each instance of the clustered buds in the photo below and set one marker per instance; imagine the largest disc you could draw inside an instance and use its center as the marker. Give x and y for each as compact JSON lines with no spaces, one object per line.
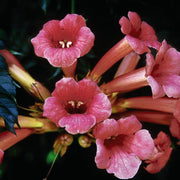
{"x":99,"y":112}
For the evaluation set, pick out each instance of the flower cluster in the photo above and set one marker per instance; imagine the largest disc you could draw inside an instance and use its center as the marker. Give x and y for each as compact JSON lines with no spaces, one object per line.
{"x":99,"y":112}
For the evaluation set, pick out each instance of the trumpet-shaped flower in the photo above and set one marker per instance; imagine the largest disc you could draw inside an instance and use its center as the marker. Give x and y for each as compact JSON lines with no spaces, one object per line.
{"x":161,"y":153}
{"x":77,"y":106}
{"x":62,"y":42}
{"x":121,"y":146}
{"x":139,"y":37}
{"x":163,"y":72}
{"x":139,"y":34}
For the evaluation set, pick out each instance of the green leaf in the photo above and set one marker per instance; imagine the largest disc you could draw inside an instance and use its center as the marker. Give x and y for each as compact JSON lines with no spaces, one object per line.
{"x":8,"y":107}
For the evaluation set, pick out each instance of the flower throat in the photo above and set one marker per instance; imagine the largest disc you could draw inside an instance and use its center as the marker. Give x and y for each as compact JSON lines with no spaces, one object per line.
{"x":75,"y":107}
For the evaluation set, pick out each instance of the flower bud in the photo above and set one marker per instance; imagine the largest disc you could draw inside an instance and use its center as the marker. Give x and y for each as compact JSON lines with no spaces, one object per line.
{"x":62,"y":142}
{"x":28,"y":83}
{"x":84,"y":141}
{"x":48,"y":126}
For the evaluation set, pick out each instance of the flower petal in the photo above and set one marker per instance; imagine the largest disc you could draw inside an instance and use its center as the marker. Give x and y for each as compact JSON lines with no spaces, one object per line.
{"x":71,"y":24}
{"x":100,"y":107}
{"x":102,"y":155}
{"x":142,"y":144}
{"x":170,"y":84}
{"x":156,"y":88}
{"x":63,"y":90}
{"x":137,"y":45}
{"x":77,"y":123}
{"x":129,"y":125}
{"x":149,"y":64}
{"x":148,"y":33}
{"x":40,"y":43}
{"x":53,"y":110}
{"x":175,"y":128}
{"x":171,"y":62}
{"x":53,"y":30}
{"x":125,"y":25}
{"x":84,"y":40}
{"x":135,"y":20}
{"x":123,"y":165}
{"x":61,"y":57}
{"x":87,"y":89}
{"x":161,"y":52}
{"x":106,"y":129}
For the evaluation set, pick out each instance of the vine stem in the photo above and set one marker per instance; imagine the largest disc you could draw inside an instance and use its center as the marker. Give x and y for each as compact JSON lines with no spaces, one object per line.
{"x":72,"y":6}
{"x":52,"y":164}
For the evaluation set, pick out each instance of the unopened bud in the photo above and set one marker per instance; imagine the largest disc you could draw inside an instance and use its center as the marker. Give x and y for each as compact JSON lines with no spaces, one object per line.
{"x":28,"y":83}
{"x":84,"y":141}
{"x":61,"y":143}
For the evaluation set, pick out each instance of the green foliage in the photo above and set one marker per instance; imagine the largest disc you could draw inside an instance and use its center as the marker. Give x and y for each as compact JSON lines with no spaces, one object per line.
{"x":8,"y":107}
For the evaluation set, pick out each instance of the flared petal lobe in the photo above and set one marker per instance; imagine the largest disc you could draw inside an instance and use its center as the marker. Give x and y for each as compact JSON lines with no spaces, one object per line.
{"x":77,"y":123}
{"x":123,"y":164}
{"x":53,"y":109}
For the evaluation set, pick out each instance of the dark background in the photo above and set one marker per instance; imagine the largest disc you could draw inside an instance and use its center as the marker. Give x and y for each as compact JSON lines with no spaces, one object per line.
{"x":21,"y":20}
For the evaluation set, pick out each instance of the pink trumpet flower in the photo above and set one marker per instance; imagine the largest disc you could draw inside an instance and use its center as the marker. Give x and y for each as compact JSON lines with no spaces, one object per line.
{"x":139,"y":37}
{"x":62,"y":42}
{"x":139,"y":34}
{"x":162,"y":74}
{"x":77,"y":106}
{"x":121,"y":146}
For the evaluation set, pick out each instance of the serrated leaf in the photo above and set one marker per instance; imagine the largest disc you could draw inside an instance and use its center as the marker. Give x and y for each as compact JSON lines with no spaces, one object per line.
{"x":8,"y":107}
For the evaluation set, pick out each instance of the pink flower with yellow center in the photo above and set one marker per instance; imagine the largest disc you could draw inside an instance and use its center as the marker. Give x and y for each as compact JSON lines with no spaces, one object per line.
{"x":62,"y":42}
{"x":77,"y":106}
{"x":121,"y":146}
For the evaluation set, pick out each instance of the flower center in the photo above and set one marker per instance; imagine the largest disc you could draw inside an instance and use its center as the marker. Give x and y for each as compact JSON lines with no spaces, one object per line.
{"x":65,"y":44}
{"x":75,"y":107}
{"x":114,"y":140}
